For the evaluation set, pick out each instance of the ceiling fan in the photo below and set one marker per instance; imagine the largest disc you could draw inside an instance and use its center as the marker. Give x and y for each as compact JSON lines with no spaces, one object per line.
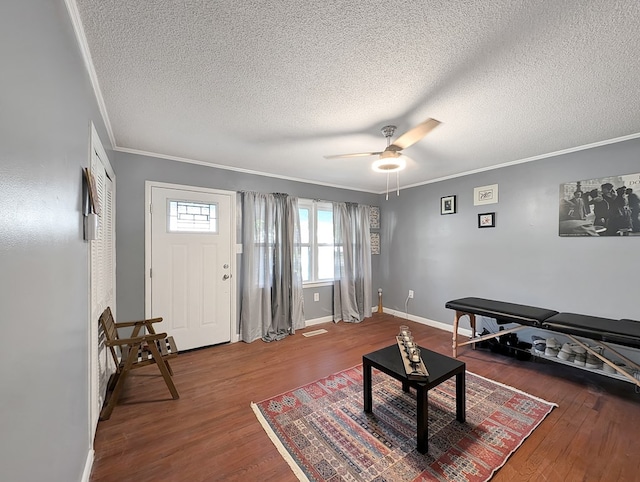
{"x":388,"y":161}
{"x":392,"y":159}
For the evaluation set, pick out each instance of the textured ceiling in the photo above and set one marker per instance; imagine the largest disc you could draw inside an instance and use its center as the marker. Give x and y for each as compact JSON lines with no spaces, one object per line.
{"x":271,"y":87}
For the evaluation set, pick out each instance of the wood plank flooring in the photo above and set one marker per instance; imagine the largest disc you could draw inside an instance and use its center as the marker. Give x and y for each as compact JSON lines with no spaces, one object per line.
{"x":211,"y":433}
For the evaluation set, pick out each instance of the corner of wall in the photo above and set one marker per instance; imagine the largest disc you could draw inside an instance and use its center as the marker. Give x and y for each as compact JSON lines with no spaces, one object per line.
{"x":88,"y":465}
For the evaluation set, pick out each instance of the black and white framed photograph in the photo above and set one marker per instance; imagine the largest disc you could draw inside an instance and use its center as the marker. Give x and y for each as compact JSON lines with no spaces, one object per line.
{"x":487,"y":220}
{"x":607,"y":206}
{"x":448,"y":205}
{"x":485,"y":195}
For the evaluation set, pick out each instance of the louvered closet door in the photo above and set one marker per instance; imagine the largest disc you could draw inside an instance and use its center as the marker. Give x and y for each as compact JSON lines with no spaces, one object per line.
{"x":102,"y":283}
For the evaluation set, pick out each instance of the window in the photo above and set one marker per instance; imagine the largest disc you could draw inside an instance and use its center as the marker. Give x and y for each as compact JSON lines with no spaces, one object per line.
{"x":189,"y":216}
{"x":316,"y":236}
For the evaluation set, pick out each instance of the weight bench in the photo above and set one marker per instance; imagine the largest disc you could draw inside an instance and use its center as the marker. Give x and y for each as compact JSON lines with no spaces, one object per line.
{"x":624,"y":332}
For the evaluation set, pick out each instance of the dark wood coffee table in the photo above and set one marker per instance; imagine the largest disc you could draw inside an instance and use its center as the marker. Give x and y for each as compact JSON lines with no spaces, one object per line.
{"x":441,"y":367}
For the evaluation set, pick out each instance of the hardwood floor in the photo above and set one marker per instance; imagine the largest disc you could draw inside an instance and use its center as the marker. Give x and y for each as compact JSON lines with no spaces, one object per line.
{"x":211,"y":433}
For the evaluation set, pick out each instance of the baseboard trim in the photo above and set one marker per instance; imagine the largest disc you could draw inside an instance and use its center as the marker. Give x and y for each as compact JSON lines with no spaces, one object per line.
{"x":325,"y":319}
{"x":88,"y":465}
{"x":428,"y":322}
{"x":318,"y":321}
{"x":235,"y":337}
{"x":400,"y":314}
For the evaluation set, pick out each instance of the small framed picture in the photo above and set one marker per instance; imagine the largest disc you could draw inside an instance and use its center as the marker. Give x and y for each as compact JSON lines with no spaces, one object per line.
{"x":487,"y":220}
{"x":374,"y":217}
{"x":485,"y":195}
{"x":375,"y":243}
{"x":448,"y":205}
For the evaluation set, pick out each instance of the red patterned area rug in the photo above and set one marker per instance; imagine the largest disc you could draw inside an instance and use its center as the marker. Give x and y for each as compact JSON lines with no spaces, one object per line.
{"x":323,"y":433}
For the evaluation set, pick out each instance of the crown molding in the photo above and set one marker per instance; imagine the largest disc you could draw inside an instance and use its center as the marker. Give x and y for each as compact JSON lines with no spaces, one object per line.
{"x":74,"y":14}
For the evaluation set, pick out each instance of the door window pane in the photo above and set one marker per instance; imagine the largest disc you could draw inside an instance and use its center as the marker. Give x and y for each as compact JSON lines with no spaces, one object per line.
{"x":191,"y":216}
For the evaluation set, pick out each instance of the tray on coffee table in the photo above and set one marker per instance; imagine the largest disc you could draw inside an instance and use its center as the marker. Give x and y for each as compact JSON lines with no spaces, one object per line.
{"x":415,"y":371}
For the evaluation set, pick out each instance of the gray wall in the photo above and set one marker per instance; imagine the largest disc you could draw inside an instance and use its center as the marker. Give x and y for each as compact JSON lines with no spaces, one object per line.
{"x":131,"y":173}
{"x":46,"y":106}
{"x":324,"y":307}
{"x":522,"y":259}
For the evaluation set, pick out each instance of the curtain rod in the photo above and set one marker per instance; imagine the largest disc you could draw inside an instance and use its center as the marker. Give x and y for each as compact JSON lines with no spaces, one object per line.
{"x":314,"y":199}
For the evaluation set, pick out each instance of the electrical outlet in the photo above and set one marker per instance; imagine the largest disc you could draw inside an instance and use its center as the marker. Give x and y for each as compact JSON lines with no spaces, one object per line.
{"x":316,"y":297}
{"x":411,"y":294}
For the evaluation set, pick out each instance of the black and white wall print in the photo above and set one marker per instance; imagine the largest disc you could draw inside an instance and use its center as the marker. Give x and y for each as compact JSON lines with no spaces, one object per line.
{"x":609,"y":206}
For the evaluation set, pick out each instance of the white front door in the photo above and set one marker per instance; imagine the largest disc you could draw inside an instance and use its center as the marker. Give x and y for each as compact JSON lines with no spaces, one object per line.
{"x":191,"y":265}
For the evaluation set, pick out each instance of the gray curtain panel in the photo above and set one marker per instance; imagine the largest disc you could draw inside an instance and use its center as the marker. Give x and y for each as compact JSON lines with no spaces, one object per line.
{"x":352,"y":258}
{"x":271,"y":303}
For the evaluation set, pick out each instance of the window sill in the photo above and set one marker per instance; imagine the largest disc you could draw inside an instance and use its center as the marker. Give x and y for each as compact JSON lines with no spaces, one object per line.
{"x":316,"y":284}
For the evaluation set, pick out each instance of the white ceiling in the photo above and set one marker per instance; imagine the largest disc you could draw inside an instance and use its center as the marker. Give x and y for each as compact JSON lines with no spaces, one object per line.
{"x":271,"y":87}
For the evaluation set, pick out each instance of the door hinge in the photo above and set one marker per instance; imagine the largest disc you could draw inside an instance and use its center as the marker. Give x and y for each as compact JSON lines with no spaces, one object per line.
{"x":150,"y":208}
{"x":150,"y":272}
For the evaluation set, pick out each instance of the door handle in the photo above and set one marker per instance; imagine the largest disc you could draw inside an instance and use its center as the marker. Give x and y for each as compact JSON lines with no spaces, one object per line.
{"x":226,"y":277}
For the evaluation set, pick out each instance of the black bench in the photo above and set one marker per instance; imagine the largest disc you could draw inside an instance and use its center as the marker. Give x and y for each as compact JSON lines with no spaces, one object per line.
{"x":624,"y":332}
{"x":503,"y":312}
{"x":621,"y":332}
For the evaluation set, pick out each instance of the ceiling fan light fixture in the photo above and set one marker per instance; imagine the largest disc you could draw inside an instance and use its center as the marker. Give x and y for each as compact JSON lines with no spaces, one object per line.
{"x":389,"y":161}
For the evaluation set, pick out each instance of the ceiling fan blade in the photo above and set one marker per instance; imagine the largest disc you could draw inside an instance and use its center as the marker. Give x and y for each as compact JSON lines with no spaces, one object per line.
{"x":414,"y":135}
{"x":359,"y":154}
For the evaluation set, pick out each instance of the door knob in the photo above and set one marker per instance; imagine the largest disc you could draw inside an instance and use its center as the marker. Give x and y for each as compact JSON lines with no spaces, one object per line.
{"x":226,"y":276}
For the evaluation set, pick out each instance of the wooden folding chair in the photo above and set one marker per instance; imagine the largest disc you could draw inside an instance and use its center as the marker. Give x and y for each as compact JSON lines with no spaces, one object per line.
{"x":137,"y":351}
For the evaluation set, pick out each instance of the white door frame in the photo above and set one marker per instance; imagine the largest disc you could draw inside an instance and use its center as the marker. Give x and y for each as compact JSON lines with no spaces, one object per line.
{"x":147,"y":245}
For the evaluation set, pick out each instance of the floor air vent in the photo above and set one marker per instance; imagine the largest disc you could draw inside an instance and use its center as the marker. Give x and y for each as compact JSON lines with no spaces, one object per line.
{"x":315,"y":332}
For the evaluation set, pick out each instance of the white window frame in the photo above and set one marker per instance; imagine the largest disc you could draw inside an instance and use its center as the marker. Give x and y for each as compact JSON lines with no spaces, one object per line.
{"x":314,"y":206}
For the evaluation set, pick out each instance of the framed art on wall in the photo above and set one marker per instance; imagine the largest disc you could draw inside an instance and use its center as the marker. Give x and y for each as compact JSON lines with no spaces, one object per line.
{"x":374,"y":217}
{"x":606,"y":206}
{"x":375,"y":243}
{"x":485,"y":195}
{"x":487,"y":220}
{"x":448,"y":205}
